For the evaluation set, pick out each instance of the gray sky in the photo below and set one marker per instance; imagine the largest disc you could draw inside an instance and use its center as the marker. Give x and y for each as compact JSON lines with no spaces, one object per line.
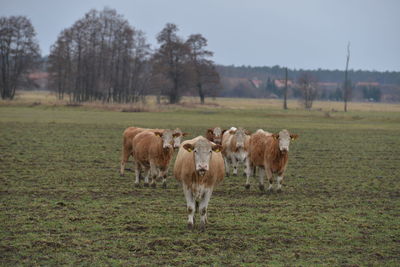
{"x":307,"y":34}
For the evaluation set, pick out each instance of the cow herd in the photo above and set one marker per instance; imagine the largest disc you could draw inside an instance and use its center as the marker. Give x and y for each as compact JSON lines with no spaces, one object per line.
{"x":202,"y":162}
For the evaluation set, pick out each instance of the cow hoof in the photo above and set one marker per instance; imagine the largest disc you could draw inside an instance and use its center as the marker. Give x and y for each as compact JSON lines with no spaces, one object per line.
{"x":146,"y":184}
{"x":190,"y":226}
{"x":137,"y":185}
{"x":261,"y":187}
{"x":235,"y":175}
{"x":121,"y":175}
{"x":202,"y":227}
{"x":278,"y":190}
{"x":227,"y":174}
{"x":247,"y":186}
{"x":153,"y":185}
{"x":164,"y":185}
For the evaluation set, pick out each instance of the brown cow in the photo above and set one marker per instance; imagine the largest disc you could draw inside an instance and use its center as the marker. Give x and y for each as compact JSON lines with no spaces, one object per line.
{"x":131,"y":132}
{"x":269,"y":152}
{"x":235,"y":146}
{"x":215,"y":135}
{"x":199,"y":167}
{"x":152,"y":151}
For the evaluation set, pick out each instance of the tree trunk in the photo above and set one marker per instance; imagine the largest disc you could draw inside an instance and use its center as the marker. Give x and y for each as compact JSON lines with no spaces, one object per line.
{"x":201,"y":93}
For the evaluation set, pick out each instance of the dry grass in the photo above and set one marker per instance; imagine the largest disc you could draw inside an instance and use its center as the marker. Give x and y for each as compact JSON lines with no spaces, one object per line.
{"x":49,"y":98}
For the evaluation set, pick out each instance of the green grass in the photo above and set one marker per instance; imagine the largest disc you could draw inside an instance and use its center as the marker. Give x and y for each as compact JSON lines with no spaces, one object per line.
{"x":63,"y":202}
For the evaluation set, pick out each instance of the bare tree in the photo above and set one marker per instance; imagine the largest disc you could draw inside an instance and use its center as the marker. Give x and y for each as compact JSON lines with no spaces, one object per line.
{"x":101,"y":57}
{"x":206,"y":78}
{"x":347,"y":83}
{"x":171,"y":61}
{"x":308,"y":87}
{"x":19,"y":51}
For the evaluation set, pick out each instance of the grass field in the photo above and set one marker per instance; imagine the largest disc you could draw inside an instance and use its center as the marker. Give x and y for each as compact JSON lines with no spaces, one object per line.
{"x":63,"y":202}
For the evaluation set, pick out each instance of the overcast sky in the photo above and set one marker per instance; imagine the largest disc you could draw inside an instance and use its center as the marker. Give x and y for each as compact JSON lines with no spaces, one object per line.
{"x":307,"y":34}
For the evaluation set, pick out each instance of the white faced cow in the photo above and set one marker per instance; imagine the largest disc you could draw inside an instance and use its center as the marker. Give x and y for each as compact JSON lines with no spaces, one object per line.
{"x":199,"y":167}
{"x":215,"y":135}
{"x":235,"y":146}
{"x":152,"y":151}
{"x":131,"y":132}
{"x":269,"y":152}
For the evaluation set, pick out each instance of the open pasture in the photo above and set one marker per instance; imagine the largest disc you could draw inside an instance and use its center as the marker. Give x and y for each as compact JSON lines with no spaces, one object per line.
{"x":63,"y":202}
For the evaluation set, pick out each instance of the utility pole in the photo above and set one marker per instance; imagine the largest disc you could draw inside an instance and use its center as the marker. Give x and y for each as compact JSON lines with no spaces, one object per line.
{"x":346,"y":92}
{"x":285,"y":90}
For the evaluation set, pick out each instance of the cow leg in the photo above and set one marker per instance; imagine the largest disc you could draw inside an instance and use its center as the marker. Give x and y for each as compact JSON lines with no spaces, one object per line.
{"x":227,"y":172}
{"x":279,"y":180}
{"x":146,"y":178}
{"x":248,"y":172}
{"x":203,"y":208}
{"x":137,"y":172}
{"x":234,"y":164}
{"x":164,"y":178}
{"x":191,"y":205}
{"x":125,"y":156}
{"x":153,"y":172}
{"x":261,"y":174}
{"x":270,"y":178}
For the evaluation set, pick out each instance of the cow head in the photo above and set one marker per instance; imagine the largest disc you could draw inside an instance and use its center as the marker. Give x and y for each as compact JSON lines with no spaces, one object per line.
{"x":284,"y":138}
{"x":240,"y":135}
{"x":167,"y":138}
{"x":216,"y":134}
{"x":178,"y":135}
{"x":202,"y":151}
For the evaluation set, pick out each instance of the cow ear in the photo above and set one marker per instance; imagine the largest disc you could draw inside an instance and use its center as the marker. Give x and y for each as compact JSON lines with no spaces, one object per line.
{"x":232,"y":131}
{"x":294,"y":136}
{"x":160,"y":134}
{"x":188,"y":147}
{"x":210,"y":130}
{"x":184,"y":134}
{"x":247,"y":132}
{"x":216,"y":148}
{"x":275,"y":136}
{"x":176,"y":134}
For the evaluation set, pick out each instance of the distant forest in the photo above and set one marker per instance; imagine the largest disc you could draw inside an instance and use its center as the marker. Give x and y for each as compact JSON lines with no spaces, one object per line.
{"x":268,"y":82}
{"x":334,"y":76}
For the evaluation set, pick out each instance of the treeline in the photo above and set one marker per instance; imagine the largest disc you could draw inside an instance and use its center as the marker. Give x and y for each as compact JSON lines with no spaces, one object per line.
{"x":102,"y":57}
{"x":334,"y":76}
{"x":267,"y":82}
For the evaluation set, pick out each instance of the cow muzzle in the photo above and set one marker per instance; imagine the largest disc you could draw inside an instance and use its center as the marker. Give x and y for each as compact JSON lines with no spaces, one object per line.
{"x":202,"y":169}
{"x":166,"y":147}
{"x":284,"y":149}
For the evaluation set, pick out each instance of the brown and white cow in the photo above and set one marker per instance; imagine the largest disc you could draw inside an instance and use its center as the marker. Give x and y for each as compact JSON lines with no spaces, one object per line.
{"x":199,"y":167}
{"x":152,"y":152}
{"x":215,"y":135}
{"x":269,"y":152}
{"x":235,"y":146}
{"x":131,"y":132}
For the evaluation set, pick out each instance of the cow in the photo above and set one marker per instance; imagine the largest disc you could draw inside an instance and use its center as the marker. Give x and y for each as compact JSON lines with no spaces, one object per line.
{"x":152,"y":151}
{"x":215,"y":135}
{"x":269,"y":152}
{"x":199,"y":167}
{"x":235,"y":145}
{"x":131,"y":132}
